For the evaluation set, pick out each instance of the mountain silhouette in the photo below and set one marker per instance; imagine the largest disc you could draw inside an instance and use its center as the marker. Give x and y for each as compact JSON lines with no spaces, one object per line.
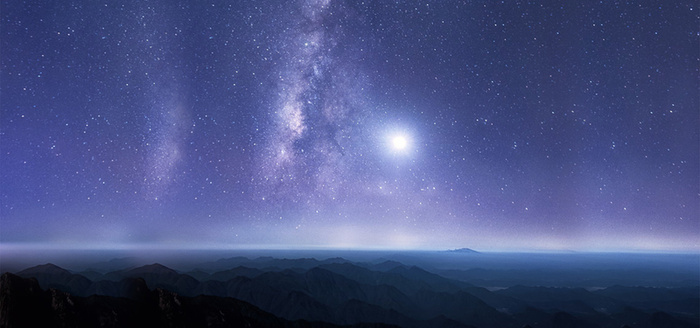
{"x":24,"y":304}
{"x":284,"y":292}
{"x":51,"y":276}
{"x":463,"y":251}
{"x":239,"y":271}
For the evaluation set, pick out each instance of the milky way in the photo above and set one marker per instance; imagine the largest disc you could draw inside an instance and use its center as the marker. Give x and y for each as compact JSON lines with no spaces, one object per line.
{"x":350,"y":124}
{"x":311,"y":123}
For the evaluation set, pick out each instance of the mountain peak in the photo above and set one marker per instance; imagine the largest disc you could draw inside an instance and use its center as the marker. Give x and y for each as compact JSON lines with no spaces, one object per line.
{"x":153,"y":268}
{"x":463,"y":250}
{"x":48,"y":268}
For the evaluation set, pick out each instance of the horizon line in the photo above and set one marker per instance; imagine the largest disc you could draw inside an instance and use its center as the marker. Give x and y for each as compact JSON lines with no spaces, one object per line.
{"x":286,"y":248}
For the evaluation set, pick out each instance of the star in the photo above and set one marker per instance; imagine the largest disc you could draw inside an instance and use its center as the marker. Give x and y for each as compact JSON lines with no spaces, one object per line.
{"x":399,"y":142}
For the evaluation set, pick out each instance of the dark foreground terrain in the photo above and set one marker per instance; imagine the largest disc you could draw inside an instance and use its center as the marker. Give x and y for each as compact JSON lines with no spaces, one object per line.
{"x":272,"y":292}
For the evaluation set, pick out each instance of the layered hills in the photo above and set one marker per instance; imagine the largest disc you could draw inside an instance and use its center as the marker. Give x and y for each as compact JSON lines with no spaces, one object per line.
{"x":310,"y":293}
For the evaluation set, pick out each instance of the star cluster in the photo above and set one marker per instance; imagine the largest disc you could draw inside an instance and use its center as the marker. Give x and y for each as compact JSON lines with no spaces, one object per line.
{"x":375,"y":124}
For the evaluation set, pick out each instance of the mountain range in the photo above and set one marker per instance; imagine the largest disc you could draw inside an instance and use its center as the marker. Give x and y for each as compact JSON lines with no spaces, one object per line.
{"x":333,"y":292}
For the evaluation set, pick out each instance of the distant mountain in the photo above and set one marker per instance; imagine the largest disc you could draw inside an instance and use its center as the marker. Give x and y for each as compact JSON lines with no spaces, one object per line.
{"x":645,"y":294}
{"x":45,"y":269}
{"x":572,"y":300}
{"x":239,"y":271}
{"x":672,"y":300}
{"x":436,"y":282}
{"x":376,"y":278}
{"x":51,"y":276}
{"x":159,"y":276}
{"x":567,"y":277}
{"x":463,"y":251}
{"x":267,"y":263}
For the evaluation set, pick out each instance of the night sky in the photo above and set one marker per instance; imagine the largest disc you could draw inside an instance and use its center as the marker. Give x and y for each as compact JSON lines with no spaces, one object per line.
{"x":552,"y":125}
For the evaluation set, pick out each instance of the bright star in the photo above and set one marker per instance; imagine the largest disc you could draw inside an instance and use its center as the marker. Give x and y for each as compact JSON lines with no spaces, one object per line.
{"x":399,"y":142}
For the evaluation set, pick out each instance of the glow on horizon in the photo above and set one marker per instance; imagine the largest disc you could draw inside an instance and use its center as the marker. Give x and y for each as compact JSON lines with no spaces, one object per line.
{"x":172,"y":246}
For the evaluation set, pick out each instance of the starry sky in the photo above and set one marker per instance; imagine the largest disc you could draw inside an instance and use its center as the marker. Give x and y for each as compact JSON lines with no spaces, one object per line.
{"x":513,"y":125}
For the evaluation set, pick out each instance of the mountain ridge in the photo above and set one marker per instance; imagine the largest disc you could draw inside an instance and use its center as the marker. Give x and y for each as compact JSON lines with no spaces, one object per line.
{"x":346,"y":293}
